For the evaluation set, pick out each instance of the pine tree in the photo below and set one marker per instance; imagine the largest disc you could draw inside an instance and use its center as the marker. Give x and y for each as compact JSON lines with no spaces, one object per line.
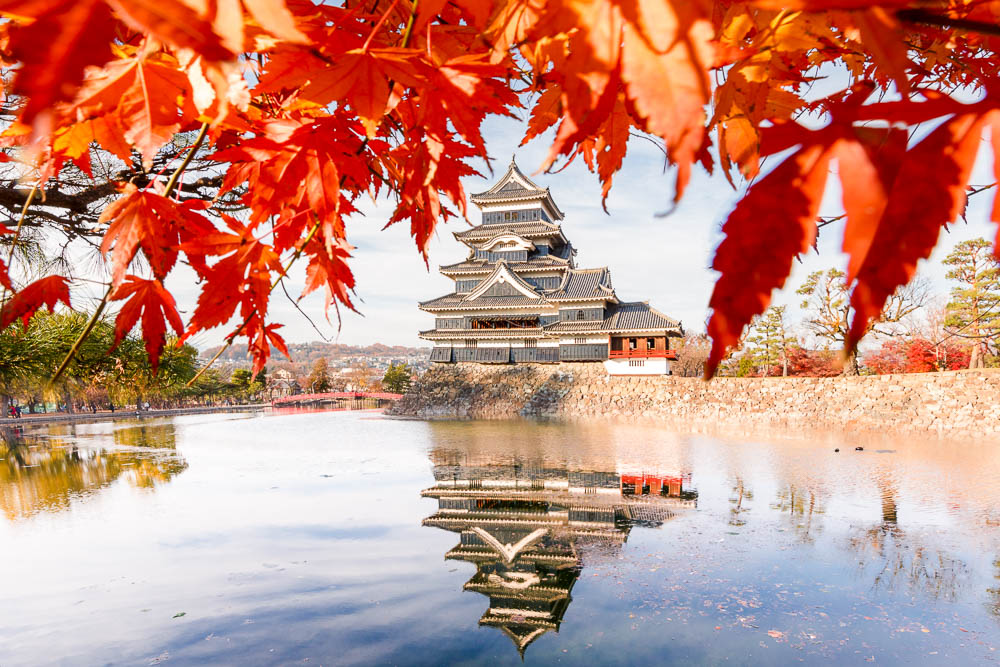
{"x":974,"y":309}
{"x":768,"y":342}
{"x":397,"y":378}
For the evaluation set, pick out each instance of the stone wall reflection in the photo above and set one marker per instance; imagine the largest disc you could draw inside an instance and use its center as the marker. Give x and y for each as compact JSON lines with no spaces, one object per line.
{"x":47,"y":471}
{"x":525,"y":524}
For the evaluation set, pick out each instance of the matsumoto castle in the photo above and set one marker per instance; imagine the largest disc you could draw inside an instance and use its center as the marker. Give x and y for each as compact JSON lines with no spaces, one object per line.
{"x":519,"y":297}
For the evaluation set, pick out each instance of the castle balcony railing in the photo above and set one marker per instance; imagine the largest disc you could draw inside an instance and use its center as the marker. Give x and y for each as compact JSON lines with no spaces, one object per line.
{"x":642,"y":354}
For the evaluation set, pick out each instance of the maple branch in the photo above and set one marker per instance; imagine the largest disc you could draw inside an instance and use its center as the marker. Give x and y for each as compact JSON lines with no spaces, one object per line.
{"x":20,"y":223}
{"x":926,"y":17}
{"x":187,"y":160}
{"x":303,"y":313}
{"x":83,"y":335}
{"x":17,"y":234}
{"x":239,"y":330}
{"x":104,"y":300}
{"x":409,"y":26}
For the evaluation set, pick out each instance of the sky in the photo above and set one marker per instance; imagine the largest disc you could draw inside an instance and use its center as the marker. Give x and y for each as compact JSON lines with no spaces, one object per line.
{"x":663,"y":259}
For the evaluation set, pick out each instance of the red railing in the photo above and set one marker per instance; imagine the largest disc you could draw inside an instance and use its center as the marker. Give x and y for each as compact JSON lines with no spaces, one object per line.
{"x":642,"y":354}
{"x":298,"y":398}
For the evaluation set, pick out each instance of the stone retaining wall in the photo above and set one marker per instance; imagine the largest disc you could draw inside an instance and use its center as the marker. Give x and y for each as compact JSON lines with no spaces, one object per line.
{"x":958,"y":403}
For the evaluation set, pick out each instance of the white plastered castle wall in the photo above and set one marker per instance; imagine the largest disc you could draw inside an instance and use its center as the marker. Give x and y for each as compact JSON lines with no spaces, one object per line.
{"x":637,"y":366}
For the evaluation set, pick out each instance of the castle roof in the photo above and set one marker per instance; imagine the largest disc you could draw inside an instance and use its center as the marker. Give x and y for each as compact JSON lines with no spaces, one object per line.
{"x":622,"y":317}
{"x":584,"y":285}
{"x":503,"y":274}
{"x":447,"y":334}
{"x":527,"y":229}
{"x":473,"y":266}
{"x":459,"y":302}
{"x":514,"y":186}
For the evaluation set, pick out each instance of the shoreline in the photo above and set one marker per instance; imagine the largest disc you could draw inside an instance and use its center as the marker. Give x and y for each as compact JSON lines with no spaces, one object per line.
{"x":107,"y":415}
{"x":949,"y":404}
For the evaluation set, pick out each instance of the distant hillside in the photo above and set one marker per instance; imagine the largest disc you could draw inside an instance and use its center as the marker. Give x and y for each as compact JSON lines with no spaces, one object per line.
{"x":306,"y":353}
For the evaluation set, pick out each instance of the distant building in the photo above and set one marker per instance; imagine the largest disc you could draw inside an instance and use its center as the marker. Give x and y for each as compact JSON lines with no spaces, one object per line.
{"x":519,"y":297}
{"x":281,"y":383}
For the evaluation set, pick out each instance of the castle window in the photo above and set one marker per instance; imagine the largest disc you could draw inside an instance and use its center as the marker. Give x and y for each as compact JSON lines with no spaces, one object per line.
{"x":579,"y":341}
{"x":580,"y":315}
{"x":471,"y":342}
{"x":530,"y":342}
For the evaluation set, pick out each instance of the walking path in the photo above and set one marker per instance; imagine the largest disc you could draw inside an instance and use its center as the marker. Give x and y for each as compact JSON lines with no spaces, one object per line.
{"x":101,"y":415}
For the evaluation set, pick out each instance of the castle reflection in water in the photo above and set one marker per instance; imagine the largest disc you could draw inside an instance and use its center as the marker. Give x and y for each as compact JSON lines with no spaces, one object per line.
{"x":523,"y":523}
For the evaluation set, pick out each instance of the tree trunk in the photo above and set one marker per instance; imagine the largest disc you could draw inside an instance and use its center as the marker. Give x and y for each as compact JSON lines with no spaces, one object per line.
{"x":5,"y":400}
{"x":851,"y":367}
{"x":976,"y":357}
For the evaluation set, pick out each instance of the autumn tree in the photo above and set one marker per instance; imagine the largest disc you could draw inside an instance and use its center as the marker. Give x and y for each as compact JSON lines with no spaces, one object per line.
{"x":692,"y":355}
{"x":238,"y":138}
{"x":768,"y":344}
{"x":973,"y":312}
{"x":397,"y":378}
{"x":917,"y":355}
{"x":318,"y":380}
{"x":829,"y":310}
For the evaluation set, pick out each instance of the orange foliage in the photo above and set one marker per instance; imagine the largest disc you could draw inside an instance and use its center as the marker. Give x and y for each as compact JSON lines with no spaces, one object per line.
{"x":917,"y":355}
{"x":310,"y":106}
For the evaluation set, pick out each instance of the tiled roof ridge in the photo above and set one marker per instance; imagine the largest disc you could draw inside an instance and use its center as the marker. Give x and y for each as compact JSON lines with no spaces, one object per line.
{"x":654,"y":311}
{"x":455,"y":301}
{"x":511,"y":223}
{"x":511,"y":194}
{"x":512,"y":169}
{"x":502,"y":233}
{"x":603,"y":276}
{"x":540,"y":263}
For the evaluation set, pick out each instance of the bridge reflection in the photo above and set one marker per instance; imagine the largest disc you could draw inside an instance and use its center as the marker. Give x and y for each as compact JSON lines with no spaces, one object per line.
{"x":348,"y":400}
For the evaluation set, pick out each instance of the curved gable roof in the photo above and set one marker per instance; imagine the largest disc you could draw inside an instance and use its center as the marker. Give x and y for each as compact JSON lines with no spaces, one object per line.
{"x":503,"y":274}
{"x":584,"y":285}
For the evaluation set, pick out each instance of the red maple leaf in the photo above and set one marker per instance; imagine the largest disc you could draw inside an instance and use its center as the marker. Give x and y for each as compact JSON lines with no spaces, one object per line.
{"x":63,"y":38}
{"x":757,"y":254}
{"x":241,"y":278}
{"x":155,"y":305}
{"x":329,"y":271}
{"x":913,"y":216}
{"x":261,"y":339}
{"x":144,"y":219}
{"x":46,"y":292}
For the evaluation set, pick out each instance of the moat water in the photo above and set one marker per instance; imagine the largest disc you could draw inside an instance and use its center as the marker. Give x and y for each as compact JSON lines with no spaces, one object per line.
{"x":353,"y":538}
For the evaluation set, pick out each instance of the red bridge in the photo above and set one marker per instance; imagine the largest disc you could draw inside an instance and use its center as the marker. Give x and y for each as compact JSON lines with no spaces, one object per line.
{"x":377,"y":396}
